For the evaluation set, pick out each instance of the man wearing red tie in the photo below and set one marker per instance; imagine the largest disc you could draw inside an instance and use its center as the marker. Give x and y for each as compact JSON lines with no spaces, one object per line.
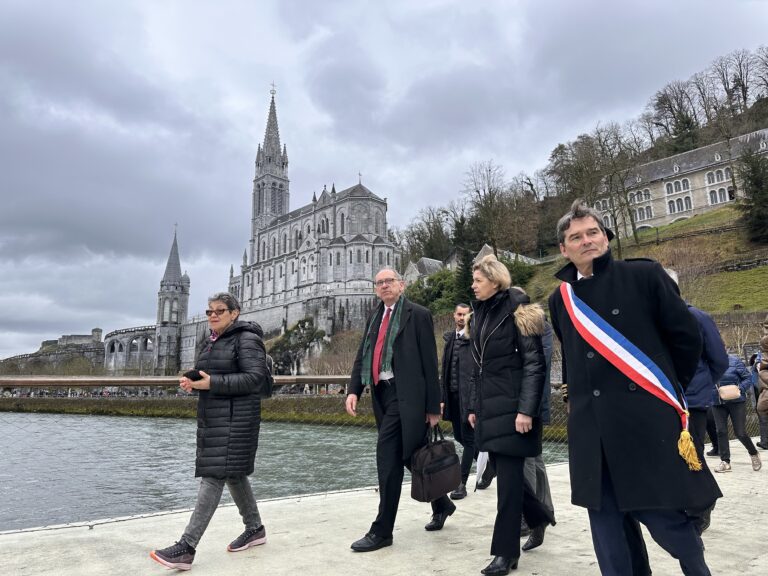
{"x":397,"y":358}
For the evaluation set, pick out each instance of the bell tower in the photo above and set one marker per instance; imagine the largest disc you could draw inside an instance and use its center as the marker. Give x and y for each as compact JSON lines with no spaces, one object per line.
{"x":271,"y":196}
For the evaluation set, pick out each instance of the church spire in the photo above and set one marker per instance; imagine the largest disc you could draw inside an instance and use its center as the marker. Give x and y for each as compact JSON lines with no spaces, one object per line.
{"x":173,"y":267}
{"x":274,"y":156}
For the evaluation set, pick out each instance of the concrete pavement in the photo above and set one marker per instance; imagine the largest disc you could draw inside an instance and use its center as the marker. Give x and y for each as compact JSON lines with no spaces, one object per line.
{"x":312,"y":534}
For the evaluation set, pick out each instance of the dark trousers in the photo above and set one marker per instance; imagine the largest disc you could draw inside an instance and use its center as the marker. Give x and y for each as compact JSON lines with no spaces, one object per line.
{"x":697,"y":424}
{"x":464,"y":435}
{"x":738,"y":413}
{"x":712,"y":429}
{"x":389,"y":461}
{"x":671,"y":529}
{"x":509,"y":505}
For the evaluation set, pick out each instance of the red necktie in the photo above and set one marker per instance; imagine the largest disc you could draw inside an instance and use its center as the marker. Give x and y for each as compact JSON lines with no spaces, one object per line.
{"x":380,"y":346}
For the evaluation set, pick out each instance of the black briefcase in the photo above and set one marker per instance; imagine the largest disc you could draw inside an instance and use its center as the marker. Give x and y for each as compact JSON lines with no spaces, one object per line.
{"x":435,"y":468}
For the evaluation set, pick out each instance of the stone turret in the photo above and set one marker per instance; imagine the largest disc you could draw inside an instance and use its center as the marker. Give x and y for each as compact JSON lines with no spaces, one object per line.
{"x":172,"y":305}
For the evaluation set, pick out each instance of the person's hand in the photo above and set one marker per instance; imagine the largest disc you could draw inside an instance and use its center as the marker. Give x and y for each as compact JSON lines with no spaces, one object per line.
{"x":523,"y":423}
{"x":472,"y":419}
{"x":185,"y":384}
{"x":351,"y":404}
{"x":433,"y":419}
{"x":204,"y":383}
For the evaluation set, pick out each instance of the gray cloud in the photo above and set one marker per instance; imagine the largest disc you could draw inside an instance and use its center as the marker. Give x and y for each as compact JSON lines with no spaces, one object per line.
{"x":118,"y":120}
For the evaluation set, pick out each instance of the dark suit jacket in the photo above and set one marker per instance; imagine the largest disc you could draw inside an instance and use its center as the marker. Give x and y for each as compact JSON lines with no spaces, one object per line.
{"x":464,"y":366}
{"x":414,"y":364}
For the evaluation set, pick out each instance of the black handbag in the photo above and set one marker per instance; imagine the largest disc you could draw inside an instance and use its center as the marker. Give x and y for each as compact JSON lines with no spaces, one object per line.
{"x":435,"y":468}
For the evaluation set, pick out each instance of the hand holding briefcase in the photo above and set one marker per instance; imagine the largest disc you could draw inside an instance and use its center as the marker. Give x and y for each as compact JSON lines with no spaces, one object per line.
{"x":435,"y":468}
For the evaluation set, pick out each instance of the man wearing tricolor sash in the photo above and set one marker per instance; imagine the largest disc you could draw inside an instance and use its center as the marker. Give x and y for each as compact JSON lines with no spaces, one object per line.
{"x":630,"y":346}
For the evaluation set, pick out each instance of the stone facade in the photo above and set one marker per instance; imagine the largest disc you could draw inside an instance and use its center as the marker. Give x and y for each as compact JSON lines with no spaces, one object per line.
{"x":684,"y":185}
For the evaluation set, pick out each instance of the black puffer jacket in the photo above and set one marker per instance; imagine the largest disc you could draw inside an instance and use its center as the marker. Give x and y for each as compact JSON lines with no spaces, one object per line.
{"x":229,"y":414}
{"x":509,"y":373}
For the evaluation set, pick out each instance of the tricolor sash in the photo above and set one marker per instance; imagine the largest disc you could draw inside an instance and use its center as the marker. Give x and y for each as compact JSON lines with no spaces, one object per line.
{"x":630,"y":361}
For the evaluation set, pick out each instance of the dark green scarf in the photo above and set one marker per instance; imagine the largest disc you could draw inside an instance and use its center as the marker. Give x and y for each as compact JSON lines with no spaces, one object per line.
{"x":366,"y":371}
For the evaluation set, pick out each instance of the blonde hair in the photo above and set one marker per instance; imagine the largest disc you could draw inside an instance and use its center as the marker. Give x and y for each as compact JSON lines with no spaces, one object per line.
{"x":494,"y":270}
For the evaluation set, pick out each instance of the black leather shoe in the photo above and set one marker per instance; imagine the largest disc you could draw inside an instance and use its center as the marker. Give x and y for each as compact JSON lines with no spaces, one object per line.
{"x":536,"y":538}
{"x":500,"y":566}
{"x":762,"y":446}
{"x":371,"y":542}
{"x":438,"y":519}
{"x":485,"y":480}
{"x":524,"y":529}
{"x":713,"y":452}
{"x":460,"y":492}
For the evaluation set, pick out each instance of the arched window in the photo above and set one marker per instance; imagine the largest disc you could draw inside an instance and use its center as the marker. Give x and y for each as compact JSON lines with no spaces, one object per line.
{"x":669,"y":188}
{"x":381,"y":258}
{"x":293,"y":267}
{"x":721,"y":195}
{"x":686,"y":184}
{"x":112,"y":347}
{"x":635,"y":216}
{"x":309,"y":230}
{"x":134,"y":347}
{"x":359,"y":256}
{"x":671,"y":207}
{"x":631,"y":198}
{"x":727,"y":173}
{"x":648,"y":213}
{"x":350,"y":256}
{"x":688,"y":203}
{"x":607,"y":220}
{"x":285,"y":242}
{"x":303,"y":268}
{"x":258,"y":276}
{"x":342,"y":223}
{"x":647,"y":194}
{"x":274,"y":247}
{"x":712,"y":197}
{"x":175,"y":311}
{"x":338,"y":258}
{"x":330,"y":260}
{"x":597,"y":205}
{"x":263,"y":250}
{"x":296,"y":240}
{"x":166,"y":310}
{"x":148,"y":345}
{"x":367,"y":257}
{"x":719,"y":176}
{"x":678,"y":187}
{"x":387,"y":258}
{"x":605,"y":204}
{"x":679,"y":205}
{"x":710,"y":178}
{"x":280,"y":270}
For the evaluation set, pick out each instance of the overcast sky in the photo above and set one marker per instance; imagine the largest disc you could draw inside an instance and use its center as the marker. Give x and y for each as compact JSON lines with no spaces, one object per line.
{"x":119,"y":120}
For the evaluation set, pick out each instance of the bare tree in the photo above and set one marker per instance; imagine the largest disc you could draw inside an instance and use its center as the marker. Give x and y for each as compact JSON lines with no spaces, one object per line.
{"x":722,"y":70}
{"x":761,"y":69}
{"x":705,"y":89}
{"x":743,"y":75}
{"x":484,"y":187}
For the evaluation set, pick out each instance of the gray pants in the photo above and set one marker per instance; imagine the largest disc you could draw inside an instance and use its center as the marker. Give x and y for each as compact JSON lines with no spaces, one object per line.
{"x":535,"y":474}
{"x":208,"y":497}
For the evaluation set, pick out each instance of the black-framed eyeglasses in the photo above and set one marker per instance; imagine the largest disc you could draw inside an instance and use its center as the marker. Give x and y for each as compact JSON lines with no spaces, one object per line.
{"x":385,"y":281}
{"x":218,"y":312}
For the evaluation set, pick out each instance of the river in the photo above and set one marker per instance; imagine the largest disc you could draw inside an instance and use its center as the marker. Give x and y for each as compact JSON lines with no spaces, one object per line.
{"x":58,"y":468}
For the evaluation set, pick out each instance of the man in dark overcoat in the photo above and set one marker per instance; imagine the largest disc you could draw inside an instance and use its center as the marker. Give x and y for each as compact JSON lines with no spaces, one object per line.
{"x":623,"y":441}
{"x":456,"y":380}
{"x":397,"y":358}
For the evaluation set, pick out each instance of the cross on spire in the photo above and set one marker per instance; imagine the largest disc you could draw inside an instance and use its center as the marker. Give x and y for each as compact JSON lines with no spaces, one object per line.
{"x":359,"y":178}
{"x":273,"y":91}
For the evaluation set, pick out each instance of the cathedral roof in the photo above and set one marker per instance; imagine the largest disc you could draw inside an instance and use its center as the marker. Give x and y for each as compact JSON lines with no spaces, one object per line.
{"x":356,"y":191}
{"x":337,"y":240}
{"x":173,"y":267}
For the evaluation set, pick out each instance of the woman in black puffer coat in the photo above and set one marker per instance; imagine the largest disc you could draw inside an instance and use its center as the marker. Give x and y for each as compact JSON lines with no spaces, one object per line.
{"x":507,"y":388}
{"x":230,"y":374}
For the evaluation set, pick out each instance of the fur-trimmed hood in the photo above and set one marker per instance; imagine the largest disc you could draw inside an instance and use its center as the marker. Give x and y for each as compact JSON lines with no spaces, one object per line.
{"x":529,"y":319}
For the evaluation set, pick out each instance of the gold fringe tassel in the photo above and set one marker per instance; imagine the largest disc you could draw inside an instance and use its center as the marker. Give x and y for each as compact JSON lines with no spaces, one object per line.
{"x":687,"y":450}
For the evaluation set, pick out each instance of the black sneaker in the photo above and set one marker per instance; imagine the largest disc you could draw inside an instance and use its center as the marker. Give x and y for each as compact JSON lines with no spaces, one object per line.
{"x":251,"y":537}
{"x":179,"y":556}
{"x":713,"y":452}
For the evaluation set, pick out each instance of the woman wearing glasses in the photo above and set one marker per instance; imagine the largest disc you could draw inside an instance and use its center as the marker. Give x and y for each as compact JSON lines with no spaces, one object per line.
{"x":230,"y":374}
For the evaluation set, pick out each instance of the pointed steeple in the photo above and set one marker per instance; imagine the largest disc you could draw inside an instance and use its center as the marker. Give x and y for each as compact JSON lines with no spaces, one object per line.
{"x":274,"y":156}
{"x":173,"y":267}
